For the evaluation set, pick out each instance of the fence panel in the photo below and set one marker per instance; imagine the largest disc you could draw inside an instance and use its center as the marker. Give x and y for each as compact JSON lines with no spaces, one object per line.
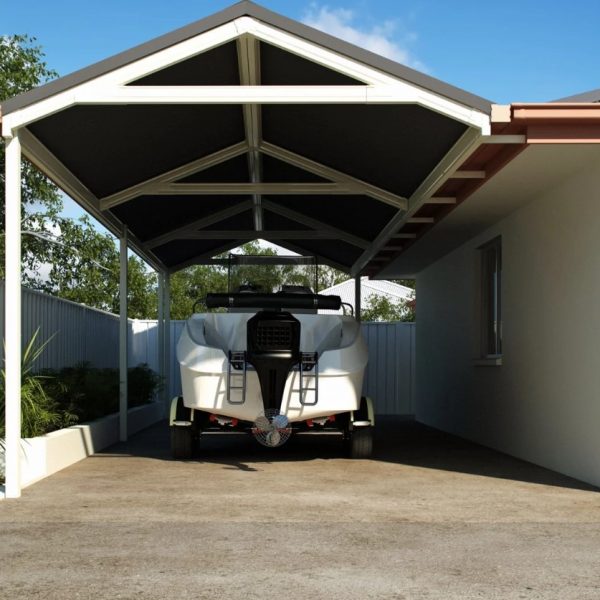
{"x":90,"y":335}
{"x":389,"y":375}
{"x":76,"y":333}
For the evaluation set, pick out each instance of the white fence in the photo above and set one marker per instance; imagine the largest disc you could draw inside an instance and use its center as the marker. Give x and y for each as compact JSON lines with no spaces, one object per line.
{"x":81,"y":334}
{"x":90,"y":335}
{"x":390,"y":373}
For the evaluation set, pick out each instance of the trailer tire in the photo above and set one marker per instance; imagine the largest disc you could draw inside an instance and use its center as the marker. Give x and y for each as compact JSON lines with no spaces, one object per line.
{"x":182,"y":442}
{"x":359,"y":443}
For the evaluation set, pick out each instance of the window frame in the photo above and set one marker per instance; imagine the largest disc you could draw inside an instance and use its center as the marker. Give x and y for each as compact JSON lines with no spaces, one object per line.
{"x":491,"y":340}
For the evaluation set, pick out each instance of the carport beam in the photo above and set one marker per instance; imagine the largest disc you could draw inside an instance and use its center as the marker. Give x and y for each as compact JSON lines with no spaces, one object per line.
{"x":161,"y":330}
{"x":167,"y":346}
{"x":123,"y":325}
{"x":357,"y":298}
{"x":12,"y":308}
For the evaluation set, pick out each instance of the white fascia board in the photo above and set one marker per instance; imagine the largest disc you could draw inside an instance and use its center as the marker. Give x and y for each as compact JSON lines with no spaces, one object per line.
{"x":108,"y":88}
{"x":124,"y":75}
{"x":373,"y":77}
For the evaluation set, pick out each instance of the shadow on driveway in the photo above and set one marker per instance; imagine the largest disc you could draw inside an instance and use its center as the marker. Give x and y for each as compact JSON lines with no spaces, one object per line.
{"x":398,"y":440}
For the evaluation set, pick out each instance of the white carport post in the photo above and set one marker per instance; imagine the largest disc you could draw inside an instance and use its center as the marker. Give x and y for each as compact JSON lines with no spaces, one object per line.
{"x":167,"y":344}
{"x":357,"y":298}
{"x":161,"y":332}
{"x":123,"y":331}
{"x":12,"y":318}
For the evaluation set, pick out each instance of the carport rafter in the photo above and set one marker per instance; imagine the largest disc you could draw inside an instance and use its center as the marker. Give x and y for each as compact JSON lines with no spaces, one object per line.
{"x":340,"y":234}
{"x":304,"y":252}
{"x":217,"y":217}
{"x":318,"y":228}
{"x":462,"y":149}
{"x":322,"y":170}
{"x":244,"y":94}
{"x":268,"y":235}
{"x":244,"y":189}
{"x":248,"y":51}
{"x":148,"y":186}
{"x":339,"y":182}
{"x":206,"y":258}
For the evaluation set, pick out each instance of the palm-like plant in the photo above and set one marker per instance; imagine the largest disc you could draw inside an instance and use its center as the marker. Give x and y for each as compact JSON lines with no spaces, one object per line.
{"x":39,"y":412}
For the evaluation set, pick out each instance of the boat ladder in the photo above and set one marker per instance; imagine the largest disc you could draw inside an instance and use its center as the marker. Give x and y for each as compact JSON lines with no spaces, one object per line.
{"x":236,"y":371}
{"x":309,"y":361}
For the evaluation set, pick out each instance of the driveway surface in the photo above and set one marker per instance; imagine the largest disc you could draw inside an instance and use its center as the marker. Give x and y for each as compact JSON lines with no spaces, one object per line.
{"x":430,"y":517}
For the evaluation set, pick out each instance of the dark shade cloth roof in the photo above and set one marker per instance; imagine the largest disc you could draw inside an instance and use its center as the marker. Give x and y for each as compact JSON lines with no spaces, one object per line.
{"x":152,"y":216}
{"x":110,"y":148}
{"x":397,"y":159}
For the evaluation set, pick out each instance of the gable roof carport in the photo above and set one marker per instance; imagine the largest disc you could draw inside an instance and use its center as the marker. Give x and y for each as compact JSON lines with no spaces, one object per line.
{"x":244,"y":125}
{"x":247,"y":124}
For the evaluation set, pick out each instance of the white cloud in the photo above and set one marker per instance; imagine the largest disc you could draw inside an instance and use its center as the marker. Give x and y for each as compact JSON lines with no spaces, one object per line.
{"x":384,"y":39}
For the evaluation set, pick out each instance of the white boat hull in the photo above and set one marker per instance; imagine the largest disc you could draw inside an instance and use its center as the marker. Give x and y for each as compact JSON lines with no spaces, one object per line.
{"x":203,"y":350}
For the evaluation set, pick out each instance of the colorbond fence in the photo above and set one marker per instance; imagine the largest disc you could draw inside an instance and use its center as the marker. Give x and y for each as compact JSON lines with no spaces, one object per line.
{"x":86,"y":334}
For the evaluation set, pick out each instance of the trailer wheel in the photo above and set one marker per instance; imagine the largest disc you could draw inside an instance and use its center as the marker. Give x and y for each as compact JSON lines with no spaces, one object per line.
{"x":182,"y":442}
{"x":359,"y":442}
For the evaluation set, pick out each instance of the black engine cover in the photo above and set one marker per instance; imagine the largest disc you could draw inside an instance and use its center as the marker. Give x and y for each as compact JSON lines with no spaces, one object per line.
{"x":273,"y":348}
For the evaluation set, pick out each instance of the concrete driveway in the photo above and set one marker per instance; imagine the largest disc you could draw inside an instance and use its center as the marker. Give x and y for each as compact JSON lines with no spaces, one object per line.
{"x":431,"y":516}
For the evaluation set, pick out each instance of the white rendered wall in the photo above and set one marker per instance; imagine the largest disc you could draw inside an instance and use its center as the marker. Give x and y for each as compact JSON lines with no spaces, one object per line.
{"x":543,"y":403}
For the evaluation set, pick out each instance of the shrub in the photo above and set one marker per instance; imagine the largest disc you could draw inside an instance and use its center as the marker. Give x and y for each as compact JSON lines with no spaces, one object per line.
{"x":142,"y":384}
{"x":92,"y":393}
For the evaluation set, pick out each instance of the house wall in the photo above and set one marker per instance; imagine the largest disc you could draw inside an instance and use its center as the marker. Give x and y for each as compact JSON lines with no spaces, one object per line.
{"x":543,"y":403}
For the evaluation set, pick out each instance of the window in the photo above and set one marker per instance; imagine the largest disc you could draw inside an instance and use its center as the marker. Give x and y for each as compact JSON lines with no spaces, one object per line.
{"x":491,"y":298}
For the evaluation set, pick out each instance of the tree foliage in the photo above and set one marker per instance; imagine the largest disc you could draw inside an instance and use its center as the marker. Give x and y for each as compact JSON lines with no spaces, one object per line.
{"x":83,"y":266}
{"x":381,"y":308}
{"x":192,"y":284}
{"x":22,"y":68}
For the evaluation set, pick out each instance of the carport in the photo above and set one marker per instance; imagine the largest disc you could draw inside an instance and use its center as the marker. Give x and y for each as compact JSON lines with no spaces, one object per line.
{"x":244,"y":125}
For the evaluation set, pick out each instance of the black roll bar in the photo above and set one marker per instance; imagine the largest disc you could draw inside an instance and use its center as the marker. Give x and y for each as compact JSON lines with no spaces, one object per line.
{"x":276,"y":301}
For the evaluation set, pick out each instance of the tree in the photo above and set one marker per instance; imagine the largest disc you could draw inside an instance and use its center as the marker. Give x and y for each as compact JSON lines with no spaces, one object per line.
{"x":192,"y":284}
{"x":22,"y":68}
{"x":83,"y":266}
{"x":381,"y":308}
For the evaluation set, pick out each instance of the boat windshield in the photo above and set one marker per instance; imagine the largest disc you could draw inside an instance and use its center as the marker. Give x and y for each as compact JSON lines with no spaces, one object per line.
{"x":269,"y":274}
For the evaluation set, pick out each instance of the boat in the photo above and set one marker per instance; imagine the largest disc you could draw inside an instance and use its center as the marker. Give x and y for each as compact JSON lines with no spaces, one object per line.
{"x":273,"y":367}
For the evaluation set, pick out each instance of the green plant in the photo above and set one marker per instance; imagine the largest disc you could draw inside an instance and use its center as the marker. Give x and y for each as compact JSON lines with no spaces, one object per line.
{"x":142,"y":384}
{"x":91,"y":393}
{"x":40,"y":412}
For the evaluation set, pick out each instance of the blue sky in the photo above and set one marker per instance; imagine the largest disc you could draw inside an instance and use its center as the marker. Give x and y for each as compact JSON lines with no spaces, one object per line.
{"x":506,"y":51}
